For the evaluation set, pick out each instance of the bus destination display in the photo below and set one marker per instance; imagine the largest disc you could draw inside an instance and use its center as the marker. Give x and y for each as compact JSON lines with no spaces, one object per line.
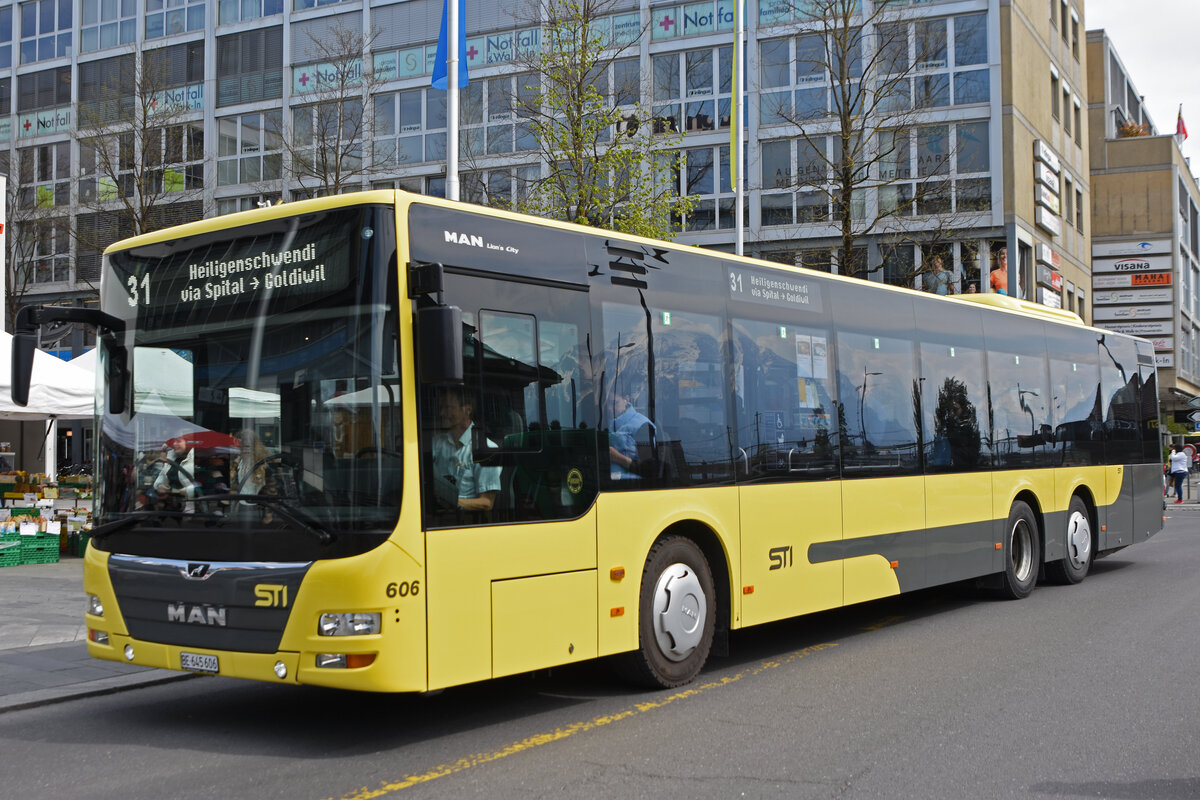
{"x":189,"y":281}
{"x":772,"y":288}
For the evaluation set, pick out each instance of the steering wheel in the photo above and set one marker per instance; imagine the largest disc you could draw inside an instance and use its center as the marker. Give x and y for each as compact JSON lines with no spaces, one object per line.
{"x":254,"y":467}
{"x":182,"y":469}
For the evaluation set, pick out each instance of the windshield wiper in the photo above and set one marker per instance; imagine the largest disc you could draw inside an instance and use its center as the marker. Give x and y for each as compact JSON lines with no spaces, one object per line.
{"x":100,"y":531}
{"x":297,"y":518}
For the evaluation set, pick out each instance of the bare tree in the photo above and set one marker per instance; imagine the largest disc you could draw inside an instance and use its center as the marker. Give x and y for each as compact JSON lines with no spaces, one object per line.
{"x":868,"y":164}
{"x":32,"y":246}
{"x":141,"y":147}
{"x":327,"y":140}
{"x":606,"y":161}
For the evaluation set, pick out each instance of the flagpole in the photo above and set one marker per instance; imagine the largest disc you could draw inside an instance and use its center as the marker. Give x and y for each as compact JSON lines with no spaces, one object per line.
{"x":452,"y":56}
{"x":736,"y":158}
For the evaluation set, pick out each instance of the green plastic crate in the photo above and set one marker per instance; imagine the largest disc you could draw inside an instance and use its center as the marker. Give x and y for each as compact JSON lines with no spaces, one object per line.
{"x":10,"y":552}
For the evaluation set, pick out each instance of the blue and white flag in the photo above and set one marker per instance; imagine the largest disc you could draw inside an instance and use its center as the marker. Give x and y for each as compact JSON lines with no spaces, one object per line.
{"x":439,"y":64}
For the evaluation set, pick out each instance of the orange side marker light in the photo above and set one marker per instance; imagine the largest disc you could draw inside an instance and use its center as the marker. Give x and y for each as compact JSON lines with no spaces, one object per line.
{"x":618,"y":611}
{"x":747,"y":590}
{"x":895,"y":564}
{"x":616,"y":573}
{"x":999,"y":546}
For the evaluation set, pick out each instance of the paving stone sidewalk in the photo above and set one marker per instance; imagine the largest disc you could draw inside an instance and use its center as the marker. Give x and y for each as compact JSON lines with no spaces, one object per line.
{"x":43,"y":655}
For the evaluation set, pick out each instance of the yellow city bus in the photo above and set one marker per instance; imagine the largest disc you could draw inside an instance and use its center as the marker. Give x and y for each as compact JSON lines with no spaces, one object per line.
{"x":392,"y":443}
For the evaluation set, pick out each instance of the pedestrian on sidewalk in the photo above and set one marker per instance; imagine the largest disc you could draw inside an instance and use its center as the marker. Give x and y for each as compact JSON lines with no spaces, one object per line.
{"x":1178,"y":466}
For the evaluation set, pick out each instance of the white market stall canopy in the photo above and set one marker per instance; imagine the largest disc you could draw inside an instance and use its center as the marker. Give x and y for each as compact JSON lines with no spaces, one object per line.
{"x":58,"y":389}
{"x":163,"y":385}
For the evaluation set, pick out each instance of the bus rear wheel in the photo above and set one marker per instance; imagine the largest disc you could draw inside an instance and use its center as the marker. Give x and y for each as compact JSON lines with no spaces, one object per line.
{"x":676,"y":616}
{"x":1078,"y":561}
{"x":1021,"y":553}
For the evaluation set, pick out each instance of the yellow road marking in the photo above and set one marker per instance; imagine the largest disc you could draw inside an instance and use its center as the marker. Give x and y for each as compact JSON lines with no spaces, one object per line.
{"x":883,"y":623}
{"x":537,"y":740}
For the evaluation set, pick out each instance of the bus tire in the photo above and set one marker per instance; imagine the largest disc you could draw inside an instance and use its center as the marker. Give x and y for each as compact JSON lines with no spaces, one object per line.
{"x":676,"y":616}
{"x":1021,"y":553}
{"x":1079,"y":543}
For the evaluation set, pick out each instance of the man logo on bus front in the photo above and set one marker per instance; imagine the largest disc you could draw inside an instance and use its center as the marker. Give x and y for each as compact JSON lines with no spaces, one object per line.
{"x":196,"y":572}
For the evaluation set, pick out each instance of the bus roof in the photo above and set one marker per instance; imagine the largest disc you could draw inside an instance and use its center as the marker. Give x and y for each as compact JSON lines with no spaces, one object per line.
{"x":390,"y":196}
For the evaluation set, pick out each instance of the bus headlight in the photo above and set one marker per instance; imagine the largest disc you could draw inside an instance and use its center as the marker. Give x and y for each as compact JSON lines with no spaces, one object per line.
{"x":94,"y":606}
{"x":349,"y":624}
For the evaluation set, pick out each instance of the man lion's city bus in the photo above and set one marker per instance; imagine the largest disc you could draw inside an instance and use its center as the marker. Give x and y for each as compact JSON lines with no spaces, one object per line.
{"x":381,"y":442}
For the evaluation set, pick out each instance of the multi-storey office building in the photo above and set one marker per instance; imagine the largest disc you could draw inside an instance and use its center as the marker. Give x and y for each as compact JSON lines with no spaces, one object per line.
{"x":986,"y":149}
{"x":1146,"y":229}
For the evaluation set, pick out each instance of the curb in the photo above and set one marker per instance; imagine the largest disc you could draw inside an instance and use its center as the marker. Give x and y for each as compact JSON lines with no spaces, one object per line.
{"x":117,"y":683}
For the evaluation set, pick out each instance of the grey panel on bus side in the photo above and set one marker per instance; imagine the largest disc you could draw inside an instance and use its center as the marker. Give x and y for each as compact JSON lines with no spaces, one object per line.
{"x":1148,"y":503}
{"x":1117,"y":519}
{"x":924,"y":557}
{"x":501,"y":246}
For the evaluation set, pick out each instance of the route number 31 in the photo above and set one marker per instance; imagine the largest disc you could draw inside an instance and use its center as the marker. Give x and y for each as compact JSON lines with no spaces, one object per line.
{"x":136,"y":289}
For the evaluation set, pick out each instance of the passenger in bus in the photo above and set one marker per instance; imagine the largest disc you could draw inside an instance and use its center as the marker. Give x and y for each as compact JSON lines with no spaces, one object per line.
{"x":174,"y":483}
{"x":628,"y":429}
{"x":999,"y":276}
{"x":249,"y":469}
{"x":459,"y":481}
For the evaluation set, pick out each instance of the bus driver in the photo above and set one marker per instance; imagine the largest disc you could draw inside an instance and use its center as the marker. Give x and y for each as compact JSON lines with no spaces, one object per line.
{"x":461,"y":482}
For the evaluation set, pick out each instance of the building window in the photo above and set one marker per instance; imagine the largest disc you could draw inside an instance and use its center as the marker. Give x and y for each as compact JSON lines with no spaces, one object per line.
{"x":1064,"y":15}
{"x":324,"y":128}
{"x":250,"y":148}
{"x":6,"y":36}
{"x":45,"y":30}
{"x":1068,"y":207}
{"x":107,"y":23}
{"x":51,"y":258}
{"x":1054,"y":95}
{"x":169,"y":17}
{"x":1078,"y":210}
{"x":231,"y":205}
{"x":303,"y":4}
{"x":1078,"y":124}
{"x":692,"y":90}
{"x":175,"y":154}
{"x":241,"y":10}
{"x":1066,"y":104}
{"x":107,"y":91}
{"x":106,"y":168}
{"x":45,"y":173}
{"x":250,"y":66}
{"x":1074,"y":35}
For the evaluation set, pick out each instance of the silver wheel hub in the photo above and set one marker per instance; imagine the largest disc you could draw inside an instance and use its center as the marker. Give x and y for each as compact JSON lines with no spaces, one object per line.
{"x":1079,"y":540}
{"x":1020,"y":550}
{"x":679,"y":612}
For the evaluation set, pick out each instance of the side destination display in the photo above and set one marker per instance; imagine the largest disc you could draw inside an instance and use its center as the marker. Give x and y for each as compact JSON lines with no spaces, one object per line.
{"x":772,"y":288}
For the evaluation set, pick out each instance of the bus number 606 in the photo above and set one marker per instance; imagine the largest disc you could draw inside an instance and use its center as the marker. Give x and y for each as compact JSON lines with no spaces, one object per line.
{"x":403,"y":589}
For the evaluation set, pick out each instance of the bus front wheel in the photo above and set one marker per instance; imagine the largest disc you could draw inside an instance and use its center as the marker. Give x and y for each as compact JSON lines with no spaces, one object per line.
{"x":1021,"y":553}
{"x":676,"y":616}
{"x":1078,"y":561}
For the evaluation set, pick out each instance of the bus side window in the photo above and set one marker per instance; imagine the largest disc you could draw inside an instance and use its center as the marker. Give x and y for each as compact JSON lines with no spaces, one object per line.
{"x":783,"y":400}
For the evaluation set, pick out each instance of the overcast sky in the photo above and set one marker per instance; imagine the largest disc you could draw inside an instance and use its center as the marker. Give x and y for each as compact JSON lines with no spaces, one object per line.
{"x":1156,"y":41}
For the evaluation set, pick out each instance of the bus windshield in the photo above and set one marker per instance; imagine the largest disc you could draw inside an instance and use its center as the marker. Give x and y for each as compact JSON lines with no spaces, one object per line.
{"x":259,"y":408}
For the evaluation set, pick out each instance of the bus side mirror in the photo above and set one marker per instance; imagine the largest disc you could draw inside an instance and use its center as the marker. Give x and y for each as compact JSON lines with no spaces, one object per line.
{"x":117,"y":379}
{"x":440,"y":333}
{"x":23,"y":347}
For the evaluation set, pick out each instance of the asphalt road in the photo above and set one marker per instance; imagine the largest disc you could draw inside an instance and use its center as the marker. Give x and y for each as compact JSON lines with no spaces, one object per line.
{"x":1081,"y":691}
